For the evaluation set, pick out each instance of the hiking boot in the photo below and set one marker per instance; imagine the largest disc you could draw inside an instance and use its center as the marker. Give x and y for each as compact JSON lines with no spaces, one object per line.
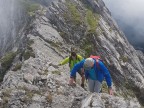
{"x":82,"y":85}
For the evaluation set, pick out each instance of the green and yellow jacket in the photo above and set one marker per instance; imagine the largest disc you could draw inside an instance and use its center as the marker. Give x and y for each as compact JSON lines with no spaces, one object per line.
{"x":71,"y":61}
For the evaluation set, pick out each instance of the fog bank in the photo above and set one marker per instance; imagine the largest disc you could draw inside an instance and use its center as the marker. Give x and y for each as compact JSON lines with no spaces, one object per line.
{"x":129,"y":16}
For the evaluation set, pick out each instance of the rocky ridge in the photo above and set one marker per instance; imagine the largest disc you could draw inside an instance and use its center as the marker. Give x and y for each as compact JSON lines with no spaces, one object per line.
{"x":40,"y":83}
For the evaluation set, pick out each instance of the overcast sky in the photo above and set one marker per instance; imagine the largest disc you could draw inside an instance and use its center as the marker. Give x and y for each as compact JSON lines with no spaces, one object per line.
{"x":130,"y":16}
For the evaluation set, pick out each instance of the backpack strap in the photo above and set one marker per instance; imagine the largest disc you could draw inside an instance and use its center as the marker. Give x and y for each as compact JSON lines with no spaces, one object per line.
{"x":70,"y":58}
{"x":97,"y":58}
{"x":97,"y":64}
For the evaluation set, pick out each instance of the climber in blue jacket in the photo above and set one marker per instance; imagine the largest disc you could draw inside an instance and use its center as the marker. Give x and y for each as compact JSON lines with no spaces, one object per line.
{"x":95,"y":72}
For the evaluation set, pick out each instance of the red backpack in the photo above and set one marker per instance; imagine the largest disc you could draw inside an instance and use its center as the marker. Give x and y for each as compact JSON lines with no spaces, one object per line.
{"x":97,"y":58}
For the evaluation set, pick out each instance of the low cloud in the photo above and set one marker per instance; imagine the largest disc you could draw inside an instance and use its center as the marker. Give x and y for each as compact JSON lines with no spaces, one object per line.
{"x":129,"y":15}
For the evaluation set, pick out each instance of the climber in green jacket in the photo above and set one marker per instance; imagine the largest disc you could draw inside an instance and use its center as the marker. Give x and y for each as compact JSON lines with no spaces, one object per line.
{"x":72,"y":60}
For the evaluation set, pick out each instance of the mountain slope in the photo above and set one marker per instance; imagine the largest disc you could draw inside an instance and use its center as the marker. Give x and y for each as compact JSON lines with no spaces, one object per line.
{"x":86,"y":24}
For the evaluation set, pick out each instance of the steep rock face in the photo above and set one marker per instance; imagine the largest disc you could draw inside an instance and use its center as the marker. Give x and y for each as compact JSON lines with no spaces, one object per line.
{"x":41,"y":83}
{"x":125,"y":63}
{"x":13,"y":21}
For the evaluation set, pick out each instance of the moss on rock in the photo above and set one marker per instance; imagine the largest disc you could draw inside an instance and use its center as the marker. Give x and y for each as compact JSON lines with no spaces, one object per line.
{"x":6,"y":63}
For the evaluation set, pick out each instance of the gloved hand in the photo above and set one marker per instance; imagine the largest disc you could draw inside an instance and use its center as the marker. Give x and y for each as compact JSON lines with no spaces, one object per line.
{"x":82,"y":85}
{"x":72,"y":82}
{"x":59,"y":64}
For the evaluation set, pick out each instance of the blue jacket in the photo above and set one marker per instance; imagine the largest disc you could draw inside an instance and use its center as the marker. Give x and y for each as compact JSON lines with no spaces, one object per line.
{"x":101,"y":72}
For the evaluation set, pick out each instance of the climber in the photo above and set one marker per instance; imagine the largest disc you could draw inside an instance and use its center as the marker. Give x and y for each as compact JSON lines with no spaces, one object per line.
{"x":93,"y":74}
{"x":72,"y":60}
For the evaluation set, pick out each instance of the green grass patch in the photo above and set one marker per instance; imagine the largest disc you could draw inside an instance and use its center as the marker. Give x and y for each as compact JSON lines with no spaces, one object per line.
{"x":30,"y":6}
{"x":72,"y":14}
{"x":124,"y":58}
{"x":87,"y":46}
{"x":88,"y":50}
{"x":127,"y":91}
{"x":30,"y":42}
{"x":56,"y":72}
{"x":127,"y":94}
{"x":28,"y":94}
{"x":92,"y":20}
{"x":6,"y":63}
{"x":62,"y":34}
{"x":28,"y":54}
{"x":49,"y":98}
{"x":28,"y":51}
{"x":7,"y":60}
{"x":104,"y":87}
{"x":17,"y":67}
{"x":75,"y":15}
{"x":7,"y":92}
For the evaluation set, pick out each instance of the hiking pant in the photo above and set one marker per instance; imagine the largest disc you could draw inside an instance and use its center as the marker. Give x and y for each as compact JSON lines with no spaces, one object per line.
{"x":94,"y":85}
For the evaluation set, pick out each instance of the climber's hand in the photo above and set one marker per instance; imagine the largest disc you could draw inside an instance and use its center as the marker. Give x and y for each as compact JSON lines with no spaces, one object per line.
{"x":72,"y":82}
{"x":110,"y":90}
